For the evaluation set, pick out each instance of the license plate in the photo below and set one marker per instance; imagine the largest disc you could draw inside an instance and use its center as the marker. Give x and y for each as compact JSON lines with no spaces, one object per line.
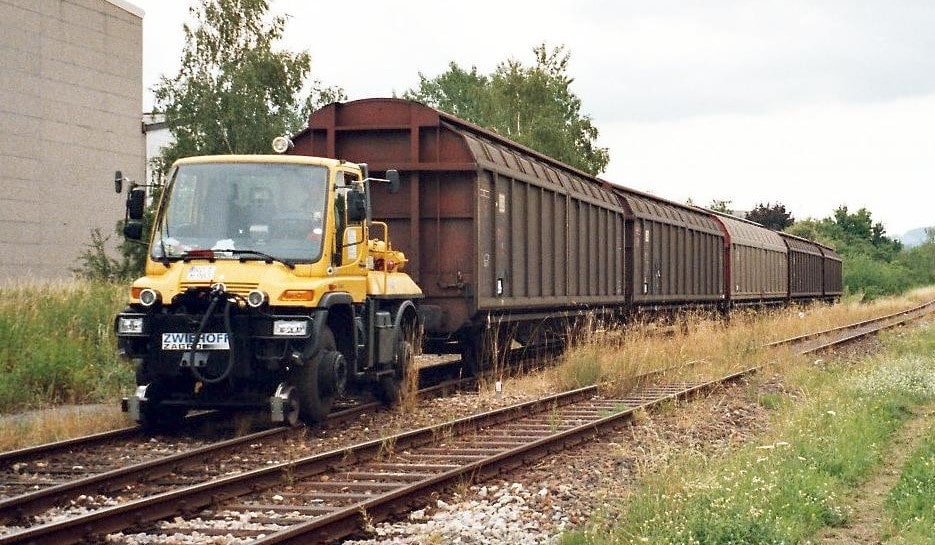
{"x":207,"y":341}
{"x":201,"y":273}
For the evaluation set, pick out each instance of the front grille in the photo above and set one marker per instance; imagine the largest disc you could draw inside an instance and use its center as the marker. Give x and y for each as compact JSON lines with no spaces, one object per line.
{"x":238,"y":288}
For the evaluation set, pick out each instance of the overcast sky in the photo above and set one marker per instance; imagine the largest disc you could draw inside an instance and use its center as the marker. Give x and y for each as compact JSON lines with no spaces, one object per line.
{"x":810,"y":103}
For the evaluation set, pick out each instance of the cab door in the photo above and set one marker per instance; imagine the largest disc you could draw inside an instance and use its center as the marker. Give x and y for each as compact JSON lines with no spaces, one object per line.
{"x":350,"y":252}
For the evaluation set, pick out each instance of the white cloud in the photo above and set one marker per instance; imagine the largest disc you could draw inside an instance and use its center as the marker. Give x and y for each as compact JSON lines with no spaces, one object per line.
{"x":812,"y":159}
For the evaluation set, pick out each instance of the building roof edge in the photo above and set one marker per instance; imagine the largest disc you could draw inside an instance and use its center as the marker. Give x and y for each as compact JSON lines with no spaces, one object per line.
{"x":127,"y":6}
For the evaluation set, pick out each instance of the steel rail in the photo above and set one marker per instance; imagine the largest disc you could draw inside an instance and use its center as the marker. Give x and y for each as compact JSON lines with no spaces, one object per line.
{"x":923,"y":308}
{"x":346,"y":520}
{"x":19,"y":508}
{"x":13,"y":456}
{"x":193,"y":498}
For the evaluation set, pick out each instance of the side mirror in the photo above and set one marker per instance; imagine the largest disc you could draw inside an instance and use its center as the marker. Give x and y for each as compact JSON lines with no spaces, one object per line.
{"x":136,"y":202}
{"x":118,"y":182}
{"x":393,"y":177}
{"x":356,"y":206}
{"x":133,"y":230}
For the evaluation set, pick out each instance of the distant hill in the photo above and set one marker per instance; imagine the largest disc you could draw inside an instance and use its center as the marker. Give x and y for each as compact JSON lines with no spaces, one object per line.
{"x":913,"y":238}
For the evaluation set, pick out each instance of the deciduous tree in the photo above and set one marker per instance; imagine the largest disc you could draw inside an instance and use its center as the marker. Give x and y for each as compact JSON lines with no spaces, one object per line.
{"x":773,"y":216}
{"x":235,"y":91}
{"x":533,"y":105}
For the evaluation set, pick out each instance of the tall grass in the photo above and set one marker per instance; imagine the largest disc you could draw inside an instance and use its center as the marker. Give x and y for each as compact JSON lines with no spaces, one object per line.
{"x":699,"y":346}
{"x":57,"y":344}
{"x":794,"y":481}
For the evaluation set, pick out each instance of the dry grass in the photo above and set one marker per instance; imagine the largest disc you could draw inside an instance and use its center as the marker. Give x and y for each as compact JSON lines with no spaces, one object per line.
{"x":44,"y":426}
{"x":697,"y":347}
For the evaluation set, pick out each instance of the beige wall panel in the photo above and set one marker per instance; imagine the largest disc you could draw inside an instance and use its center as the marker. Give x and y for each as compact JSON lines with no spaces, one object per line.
{"x":70,"y":100}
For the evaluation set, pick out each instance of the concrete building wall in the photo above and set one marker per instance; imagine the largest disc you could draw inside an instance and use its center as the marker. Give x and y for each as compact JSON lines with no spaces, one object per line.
{"x":71,"y":91}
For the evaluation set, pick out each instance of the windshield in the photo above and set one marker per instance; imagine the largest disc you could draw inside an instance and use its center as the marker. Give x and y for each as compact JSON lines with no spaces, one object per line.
{"x":274,"y":209}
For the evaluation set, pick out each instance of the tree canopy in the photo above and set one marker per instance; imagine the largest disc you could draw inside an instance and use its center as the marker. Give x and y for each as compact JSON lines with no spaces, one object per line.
{"x":854,"y":232}
{"x":773,"y":216}
{"x":533,"y":105}
{"x":235,"y":91}
{"x":874,"y":264}
{"x":722,"y":206}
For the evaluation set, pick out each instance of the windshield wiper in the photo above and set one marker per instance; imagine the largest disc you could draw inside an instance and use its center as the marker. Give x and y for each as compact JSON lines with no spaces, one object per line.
{"x":212,"y":255}
{"x":260,"y":255}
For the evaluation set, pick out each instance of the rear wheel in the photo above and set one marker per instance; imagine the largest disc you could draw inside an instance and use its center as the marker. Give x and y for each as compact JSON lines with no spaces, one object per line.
{"x":320,"y":380}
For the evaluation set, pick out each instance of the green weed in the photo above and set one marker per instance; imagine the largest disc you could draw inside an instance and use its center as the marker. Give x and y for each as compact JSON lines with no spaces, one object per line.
{"x":910,"y":503}
{"x":57,"y":344}
{"x":794,"y":482}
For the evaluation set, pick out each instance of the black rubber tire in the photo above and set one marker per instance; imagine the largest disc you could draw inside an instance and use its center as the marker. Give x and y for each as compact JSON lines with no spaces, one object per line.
{"x":314,"y":403}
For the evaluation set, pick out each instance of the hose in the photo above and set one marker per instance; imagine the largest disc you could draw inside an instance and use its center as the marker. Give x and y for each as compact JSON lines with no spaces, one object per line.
{"x":216,"y":296}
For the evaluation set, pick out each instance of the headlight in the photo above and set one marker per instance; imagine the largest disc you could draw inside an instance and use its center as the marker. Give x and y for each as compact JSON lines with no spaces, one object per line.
{"x":130,"y":325}
{"x":291,"y":328}
{"x":149,"y":297}
{"x":281,"y":144}
{"x":256,"y":298}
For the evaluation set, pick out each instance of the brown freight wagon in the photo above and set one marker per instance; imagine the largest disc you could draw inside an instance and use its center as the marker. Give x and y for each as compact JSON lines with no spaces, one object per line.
{"x":498,"y":236}
{"x":832,"y":274}
{"x":675,"y":253}
{"x":756,"y":262}
{"x":806,"y":264}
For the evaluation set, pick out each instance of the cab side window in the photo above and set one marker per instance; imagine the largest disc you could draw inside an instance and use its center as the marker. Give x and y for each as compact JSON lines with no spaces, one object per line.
{"x":344,"y":184}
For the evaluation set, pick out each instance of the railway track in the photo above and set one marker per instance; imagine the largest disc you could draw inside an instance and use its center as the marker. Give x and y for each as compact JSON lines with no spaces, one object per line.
{"x":327,"y":496}
{"x":76,"y":475}
{"x":814,"y":342}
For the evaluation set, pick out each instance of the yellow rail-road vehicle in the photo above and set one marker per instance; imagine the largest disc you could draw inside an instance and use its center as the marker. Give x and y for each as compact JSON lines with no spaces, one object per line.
{"x":264,"y":287}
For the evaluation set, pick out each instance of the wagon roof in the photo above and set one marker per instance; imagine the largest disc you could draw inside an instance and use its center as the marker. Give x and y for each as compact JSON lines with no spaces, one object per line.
{"x":748,"y":233}
{"x":646,"y":206}
{"x":800,"y":244}
{"x":486,"y":148}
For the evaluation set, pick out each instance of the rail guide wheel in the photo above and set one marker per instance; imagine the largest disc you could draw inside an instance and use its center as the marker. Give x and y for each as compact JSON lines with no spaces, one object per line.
{"x":147,"y":409}
{"x":284,"y":405}
{"x":391,"y":387}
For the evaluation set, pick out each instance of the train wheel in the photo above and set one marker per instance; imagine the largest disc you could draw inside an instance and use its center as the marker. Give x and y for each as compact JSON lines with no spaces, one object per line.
{"x":320,"y":380}
{"x":289,"y":399}
{"x":154,"y":416}
{"x":391,"y":388}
